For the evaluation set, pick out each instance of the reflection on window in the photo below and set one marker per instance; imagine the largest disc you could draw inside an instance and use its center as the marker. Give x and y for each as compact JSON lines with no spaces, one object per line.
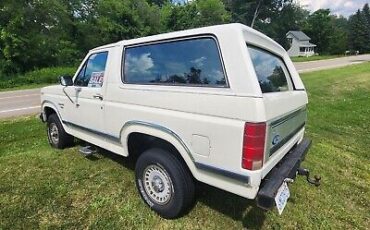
{"x":187,"y":62}
{"x":92,"y":73}
{"x":270,"y":70}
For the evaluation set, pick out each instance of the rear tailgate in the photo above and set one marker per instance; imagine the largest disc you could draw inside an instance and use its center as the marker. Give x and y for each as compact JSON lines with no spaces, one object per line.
{"x":285,"y":106}
{"x":287,"y":114}
{"x":281,"y":130}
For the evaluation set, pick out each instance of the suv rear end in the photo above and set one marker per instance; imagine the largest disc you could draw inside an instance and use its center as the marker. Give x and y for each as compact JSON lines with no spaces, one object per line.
{"x":284,"y":105}
{"x":276,"y":146}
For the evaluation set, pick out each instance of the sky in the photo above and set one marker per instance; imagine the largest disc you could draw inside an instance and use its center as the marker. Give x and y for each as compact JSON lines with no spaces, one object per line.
{"x":343,"y":7}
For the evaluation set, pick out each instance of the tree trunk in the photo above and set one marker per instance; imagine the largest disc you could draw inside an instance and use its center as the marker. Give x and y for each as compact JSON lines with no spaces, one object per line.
{"x":256,"y":12}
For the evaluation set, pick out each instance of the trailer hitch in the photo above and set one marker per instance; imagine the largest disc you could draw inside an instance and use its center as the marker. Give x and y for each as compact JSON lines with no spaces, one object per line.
{"x":305,"y":172}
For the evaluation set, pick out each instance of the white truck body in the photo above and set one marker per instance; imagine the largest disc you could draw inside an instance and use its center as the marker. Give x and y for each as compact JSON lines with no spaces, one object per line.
{"x":205,"y":124}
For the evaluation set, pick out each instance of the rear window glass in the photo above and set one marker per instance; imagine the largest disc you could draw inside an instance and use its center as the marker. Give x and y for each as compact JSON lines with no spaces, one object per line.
{"x":186,"y":62}
{"x":270,"y":69}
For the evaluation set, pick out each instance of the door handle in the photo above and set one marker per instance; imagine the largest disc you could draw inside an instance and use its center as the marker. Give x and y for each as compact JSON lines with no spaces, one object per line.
{"x":98,"y":96}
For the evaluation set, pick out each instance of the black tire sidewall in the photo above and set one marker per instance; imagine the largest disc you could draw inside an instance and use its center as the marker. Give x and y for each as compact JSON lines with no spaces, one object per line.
{"x":65,"y":139}
{"x":182,"y":189}
{"x":51,"y":120}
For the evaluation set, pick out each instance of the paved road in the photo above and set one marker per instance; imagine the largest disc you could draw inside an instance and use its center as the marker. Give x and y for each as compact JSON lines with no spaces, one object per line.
{"x":26,"y":102}
{"x":331,"y":63}
{"x":21,"y":102}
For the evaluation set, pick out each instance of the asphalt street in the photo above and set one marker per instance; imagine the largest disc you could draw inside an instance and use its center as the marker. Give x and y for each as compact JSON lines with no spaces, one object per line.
{"x":20,"y":102}
{"x":27,"y":102}
{"x":303,"y":67}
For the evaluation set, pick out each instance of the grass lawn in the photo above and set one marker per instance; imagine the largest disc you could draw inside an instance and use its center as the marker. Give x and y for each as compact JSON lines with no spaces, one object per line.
{"x":315,"y":58}
{"x":45,"y":188}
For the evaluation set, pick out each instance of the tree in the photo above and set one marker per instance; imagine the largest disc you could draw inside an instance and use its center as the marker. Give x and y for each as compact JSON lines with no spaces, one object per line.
{"x":158,"y":2}
{"x":194,"y":76}
{"x":366,"y":14}
{"x":358,"y":35}
{"x":35,"y":34}
{"x":194,"y":14}
{"x":289,"y":17}
{"x":180,"y":17}
{"x":212,"y":12}
{"x":319,"y":28}
{"x":29,"y":33}
{"x":118,"y":20}
{"x":338,"y":41}
{"x":249,"y":12}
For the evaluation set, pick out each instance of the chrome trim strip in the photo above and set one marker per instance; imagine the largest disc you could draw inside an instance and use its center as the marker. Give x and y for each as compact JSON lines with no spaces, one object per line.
{"x":234,"y":176}
{"x":287,"y":117}
{"x":211,"y":169}
{"x":286,"y":139}
{"x":164,"y":129}
{"x":105,"y":135}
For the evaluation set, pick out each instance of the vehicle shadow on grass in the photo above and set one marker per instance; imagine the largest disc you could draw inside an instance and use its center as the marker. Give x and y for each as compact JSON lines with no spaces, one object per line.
{"x":127,"y":162}
{"x":233,"y":206}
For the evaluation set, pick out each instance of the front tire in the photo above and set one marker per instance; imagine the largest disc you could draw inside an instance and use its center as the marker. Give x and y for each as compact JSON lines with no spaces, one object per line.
{"x":164,"y":183}
{"x":57,"y":136}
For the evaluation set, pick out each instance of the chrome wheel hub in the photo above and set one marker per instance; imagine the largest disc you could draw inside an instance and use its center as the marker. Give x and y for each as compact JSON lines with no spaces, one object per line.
{"x":158,"y":184}
{"x":54,"y":133}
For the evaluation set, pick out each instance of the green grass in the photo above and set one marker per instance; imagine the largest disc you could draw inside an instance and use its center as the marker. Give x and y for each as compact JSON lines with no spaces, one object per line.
{"x":45,"y":188}
{"x":34,"y":79}
{"x":315,"y":58}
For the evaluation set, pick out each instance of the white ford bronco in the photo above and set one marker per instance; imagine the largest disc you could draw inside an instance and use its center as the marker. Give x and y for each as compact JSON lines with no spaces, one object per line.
{"x":222,"y":105}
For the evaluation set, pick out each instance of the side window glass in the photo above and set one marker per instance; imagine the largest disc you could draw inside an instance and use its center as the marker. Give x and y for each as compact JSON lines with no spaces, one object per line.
{"x":192,"y":62}
{"x":270,"y":69}
{"x":92,"y":73}
{"x":80,"y":75}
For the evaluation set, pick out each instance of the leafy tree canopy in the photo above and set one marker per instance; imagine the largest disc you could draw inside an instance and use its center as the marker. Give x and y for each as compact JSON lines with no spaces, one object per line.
{"x":42,"y":33}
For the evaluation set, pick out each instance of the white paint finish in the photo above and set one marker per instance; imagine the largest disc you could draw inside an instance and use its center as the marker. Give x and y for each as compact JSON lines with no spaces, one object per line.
{"x":209,"y":121}
{"x":86,"y":111}
{"x":284,"y":103}
{"x":200,"y":145}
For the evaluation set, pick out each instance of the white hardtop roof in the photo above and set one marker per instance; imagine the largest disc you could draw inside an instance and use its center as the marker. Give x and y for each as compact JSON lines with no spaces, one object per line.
{"x":218,"y":29}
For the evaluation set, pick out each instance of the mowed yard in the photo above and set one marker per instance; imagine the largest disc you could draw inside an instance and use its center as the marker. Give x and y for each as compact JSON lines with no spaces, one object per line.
{"x":45,"y":188}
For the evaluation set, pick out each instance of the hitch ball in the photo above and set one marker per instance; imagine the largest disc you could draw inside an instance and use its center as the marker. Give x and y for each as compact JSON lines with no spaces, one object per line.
{"x":305,"y":172}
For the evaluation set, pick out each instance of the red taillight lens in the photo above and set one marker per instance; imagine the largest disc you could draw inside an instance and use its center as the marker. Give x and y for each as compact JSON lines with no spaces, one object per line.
{"x":253,"y":145}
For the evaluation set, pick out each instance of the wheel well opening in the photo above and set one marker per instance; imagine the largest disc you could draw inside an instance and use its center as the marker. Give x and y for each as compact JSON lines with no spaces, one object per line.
{"x":139,"y":142}
{"x":48,"y":111}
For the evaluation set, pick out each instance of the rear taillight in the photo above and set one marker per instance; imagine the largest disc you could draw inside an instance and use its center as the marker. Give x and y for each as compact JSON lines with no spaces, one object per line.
{"x":253,"y":145}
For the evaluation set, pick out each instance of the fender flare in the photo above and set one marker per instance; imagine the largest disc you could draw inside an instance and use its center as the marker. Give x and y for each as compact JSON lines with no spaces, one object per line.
{"x":51,"y":105}
{"x":159,"y":132}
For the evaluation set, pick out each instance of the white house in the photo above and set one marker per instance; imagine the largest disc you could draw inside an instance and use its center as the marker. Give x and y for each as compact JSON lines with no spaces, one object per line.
{"x":300,"y":44}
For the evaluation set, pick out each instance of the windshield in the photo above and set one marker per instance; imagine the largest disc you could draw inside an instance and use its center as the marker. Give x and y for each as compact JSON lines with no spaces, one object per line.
{"x":270,"y":69}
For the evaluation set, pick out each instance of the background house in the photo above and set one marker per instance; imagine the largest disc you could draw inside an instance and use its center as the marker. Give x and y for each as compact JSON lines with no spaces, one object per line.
{"x":300,"y":44}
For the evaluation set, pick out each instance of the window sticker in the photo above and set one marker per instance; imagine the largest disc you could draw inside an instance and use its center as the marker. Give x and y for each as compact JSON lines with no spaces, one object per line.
{"x":96,"y":79}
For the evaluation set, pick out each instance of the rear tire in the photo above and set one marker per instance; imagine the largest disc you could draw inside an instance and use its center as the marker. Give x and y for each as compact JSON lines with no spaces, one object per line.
{"x":164,"y":183}
{"x":57,"y":136}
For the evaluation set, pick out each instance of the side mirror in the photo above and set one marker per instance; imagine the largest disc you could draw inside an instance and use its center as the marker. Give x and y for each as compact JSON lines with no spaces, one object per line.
{"x":66,"y":80}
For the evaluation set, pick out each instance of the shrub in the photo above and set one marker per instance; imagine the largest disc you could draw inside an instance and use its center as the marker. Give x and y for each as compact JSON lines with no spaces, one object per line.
{"x":37,"y":77}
